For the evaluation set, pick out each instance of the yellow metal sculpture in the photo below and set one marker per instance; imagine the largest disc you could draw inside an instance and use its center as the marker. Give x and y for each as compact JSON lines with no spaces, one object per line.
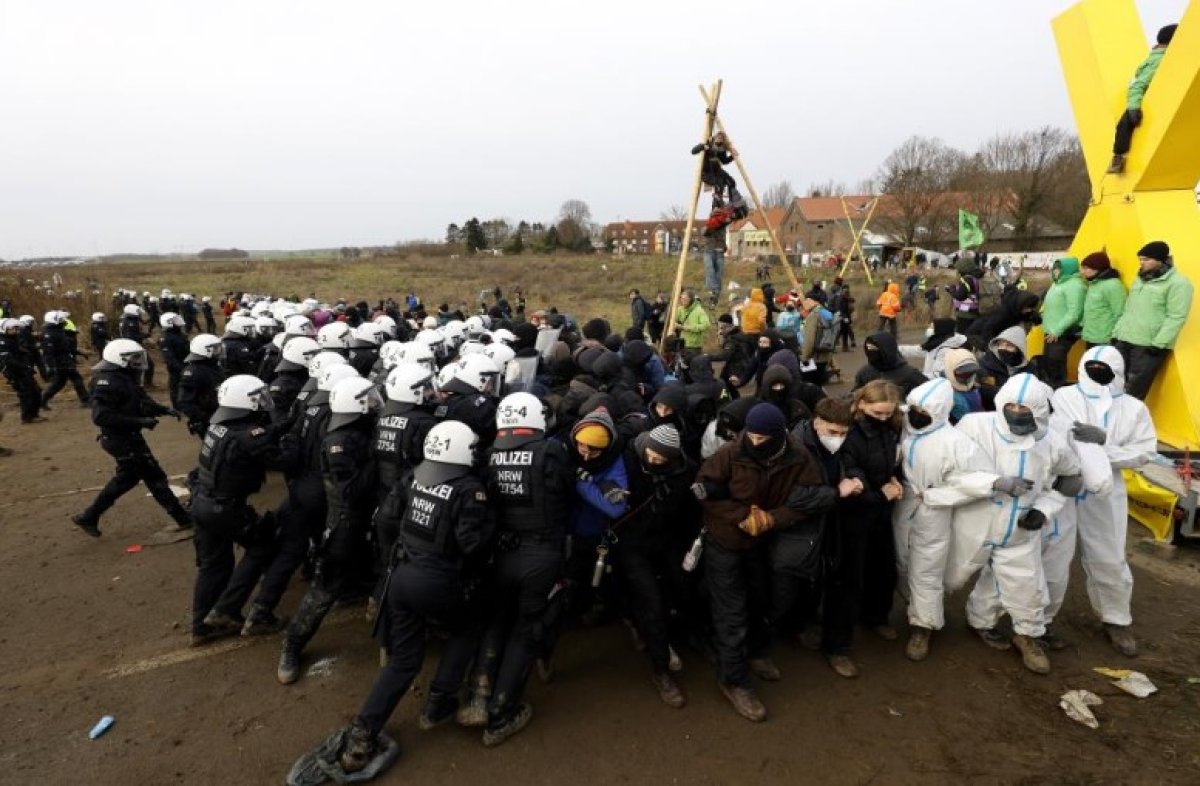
{"x":1101,"y":43}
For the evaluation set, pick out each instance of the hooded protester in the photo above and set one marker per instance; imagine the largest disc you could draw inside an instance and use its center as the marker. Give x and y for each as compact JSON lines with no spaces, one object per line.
{"x":601,"y":490}
{"x":1017,"y":307}
{"x":1001,"y":534}
{"x":736,"y":353}
{"x":933,"y":349}
{"x":942,"y":469}
{"x":1062,"y":317}
{"x":1155,"y":313}
{"x":805,"y":392}
{"x":728,"y":424}
{"x":746,"y":491}
{"x":617,"y":381}
{"x":1005,"y":357}
{"x":704,"y":384}
{"x":1105,"y":299}
{"x":885,"y":362}
{"x":754,"y":314}
{"x":963,"y":373}
{"x":778,"y":388}
{"x":669,"y":407}
{"x":645,"y":366}
{"x":1111,"y":431}
{"x":767,"y":344}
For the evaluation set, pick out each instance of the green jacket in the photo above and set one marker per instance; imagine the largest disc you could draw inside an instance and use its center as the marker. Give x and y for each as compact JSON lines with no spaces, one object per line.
{"x":1141,"y":79}
{"x":1063,"y":306}
{"x":694,"y":323}
{"x":1102,"y":307}
{"x":1155,"y":311}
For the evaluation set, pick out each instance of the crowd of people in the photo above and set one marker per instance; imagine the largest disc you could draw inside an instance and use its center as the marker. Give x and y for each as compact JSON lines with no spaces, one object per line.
{"x":503,"y":477}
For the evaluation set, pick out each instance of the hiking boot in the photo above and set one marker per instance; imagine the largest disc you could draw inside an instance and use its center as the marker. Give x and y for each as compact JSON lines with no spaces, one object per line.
{"x":994,"y":638}
{"x":1117,"y":166}
{"x":917,"y":648}
{"x":87,"y":525}
{"x":261,"y":622}
{"x":216,"y":626}
{"x":474,"y":713}
{"x":674,"y":662}
{"x":288,"y":670}
{"x":746,"y":702}
{"x":1122,"y":639}
{"x":1032,"y":654}
{"x":494,"y":735}
{"x":439,"y":708}
{"x":885,"y":632}
{"x":810,"y":638}
{"x":668,"y":690}
{"x":844,"y":665}
{"x":1052,"y":641}
{"x":765,"y":669}
{"x":358,"y":748}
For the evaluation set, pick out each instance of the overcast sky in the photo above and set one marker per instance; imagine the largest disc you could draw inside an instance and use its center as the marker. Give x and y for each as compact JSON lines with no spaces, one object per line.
{"x":169,"y":126}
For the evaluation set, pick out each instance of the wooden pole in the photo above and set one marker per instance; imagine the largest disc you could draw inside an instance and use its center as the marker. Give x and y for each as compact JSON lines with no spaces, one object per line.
{"x":737,"y":159}
{"x":856,"y":243}
{"x":673,"y":305}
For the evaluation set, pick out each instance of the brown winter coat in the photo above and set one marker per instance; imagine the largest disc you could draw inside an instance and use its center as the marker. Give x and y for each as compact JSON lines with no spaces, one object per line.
{"x":748,"y":482}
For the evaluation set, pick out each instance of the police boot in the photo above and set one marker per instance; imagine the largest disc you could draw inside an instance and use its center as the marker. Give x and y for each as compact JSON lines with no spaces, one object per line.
{"x":261,"y":622}
{"x":358,"y":749}
{"x":493,"y":735}
{"x":288,"y":670}
{"x":474,"y":713}
{"x":216,"y":626}
{"x":439,"y":708}
{"x":87,"y":523}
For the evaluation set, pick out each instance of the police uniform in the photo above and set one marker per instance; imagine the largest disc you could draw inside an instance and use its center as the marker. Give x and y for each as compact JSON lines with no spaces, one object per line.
{"x":59,"y":356}
{"x":98,"y":335}
{"x":131,"y":328}
{"x":532,"y":483}
{"x":240,"y":356}
{"x":197,"y":399}
{"x":234,"y":457}
{"x":444,"y":528}
{"x":121,"y":409}
{"x":18,"y":367}
{"x":477,"y":410}
{"x":363,"y":359}
{"x":399,"y":437}
{"x":284,"y":389}
{"x":269,"y":359}
{"x":174,"y":345}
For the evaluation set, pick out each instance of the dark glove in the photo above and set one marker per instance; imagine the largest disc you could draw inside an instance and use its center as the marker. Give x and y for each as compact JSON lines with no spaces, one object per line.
{"x":1033,"y":520}
{"x":1069,"y":485}
{"x":699,"y":491}
{"x":149,"y":423}
{"x":711,"y":491}
{"x":1012,"y":486}
{"x":1093,"y":435}
{"x":583,"y":474}
{"x":1135,"y":116}
{"x":613,"y":493}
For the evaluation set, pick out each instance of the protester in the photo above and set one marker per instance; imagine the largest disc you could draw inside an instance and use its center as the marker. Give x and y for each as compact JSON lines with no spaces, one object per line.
{"x":1062,"y":315}
{"x":1105,"y":299}
{"x":1131,"y":118}
{"x":1157,"y":308}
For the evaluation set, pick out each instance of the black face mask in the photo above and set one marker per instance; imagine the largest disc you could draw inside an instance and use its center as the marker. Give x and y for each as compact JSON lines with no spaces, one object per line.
{"x":874,"y":356}
{"x":777,"y":394}
{"x":1020,"y":423}
{"x":764,"y":451}
{"x":1100,"y":373}
{"x":1010,"y":357}
{"x":919,"y":420}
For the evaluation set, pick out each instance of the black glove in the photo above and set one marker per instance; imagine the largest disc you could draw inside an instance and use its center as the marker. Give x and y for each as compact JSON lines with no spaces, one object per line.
{"x":149,"y":423}
{"x":1069,"y":485}
{"x":1135,"y":116}
{"x":583,"y":474}
{"x":1033,"y":520}
{"x":613,"y":493}
{"x":1092,"y":435}
{"x":699,"y":491}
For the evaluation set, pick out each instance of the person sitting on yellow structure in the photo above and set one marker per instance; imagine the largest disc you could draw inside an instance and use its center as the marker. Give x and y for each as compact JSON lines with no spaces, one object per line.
{"x":1131,"y":118}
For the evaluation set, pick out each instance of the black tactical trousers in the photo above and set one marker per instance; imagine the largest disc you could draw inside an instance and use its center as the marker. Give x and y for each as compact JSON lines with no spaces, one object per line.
{"x":135,"y":463}
{"x":641,"y":570}
{"x":59,"y":379}
{"x":419,"y":595}
{"x":739,"y":594}
{"x":29,"y":395}
{"x":340,"y":564}
{"x":299,"y":520}
{"x":862,"y":583}
{"x":220,"y":585}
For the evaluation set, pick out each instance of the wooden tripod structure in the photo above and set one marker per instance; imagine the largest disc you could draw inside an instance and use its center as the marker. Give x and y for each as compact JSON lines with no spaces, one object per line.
{"x":857,"y":235}
{"x":712,"y":122}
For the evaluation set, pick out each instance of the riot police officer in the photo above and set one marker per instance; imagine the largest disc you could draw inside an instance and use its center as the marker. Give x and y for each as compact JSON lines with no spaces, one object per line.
{"x":291,"y":372}
{"x":349,"y":475}
{"x":442,"y":515}
{"x":31,"y":343}
{"x":121,"y":408}
{"x":405,"y":421}
{"x":238,"y":448}
{"x":468,"y":387}
{"x":239,"y":356}
{"x":198,"y":382}
{"x":532,"y":483}
{"x":59,"y":357}
{"x":130,"y":329}
{"x":175,"y":351}
{"x":18,"y":367}
{"x":317,"y":364}
{"x":268,"y":340}
{"x":98,"y":335}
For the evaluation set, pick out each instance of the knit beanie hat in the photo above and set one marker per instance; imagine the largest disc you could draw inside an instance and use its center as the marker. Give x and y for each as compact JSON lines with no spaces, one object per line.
{"x":766,"y":419}
{"x":1166,"y":34}
{"x":1156,"y":250}
{"x":593,"y":435}
{"x":665,"y":440}
{"x":596,"y":329}
{"x":1098,"y":261}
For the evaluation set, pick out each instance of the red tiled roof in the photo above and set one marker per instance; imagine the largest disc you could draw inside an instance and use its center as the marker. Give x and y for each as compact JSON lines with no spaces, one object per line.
{"x":774,"y":214}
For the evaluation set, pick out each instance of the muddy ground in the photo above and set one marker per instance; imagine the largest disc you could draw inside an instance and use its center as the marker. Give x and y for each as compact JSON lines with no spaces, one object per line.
{"x":87,"y":630}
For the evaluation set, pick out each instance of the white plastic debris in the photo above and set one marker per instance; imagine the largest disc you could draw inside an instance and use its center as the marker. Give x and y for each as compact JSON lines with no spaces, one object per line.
{"x":1137,"y":684}
{"x":1076,"y":704}
{"x":323,"y":667}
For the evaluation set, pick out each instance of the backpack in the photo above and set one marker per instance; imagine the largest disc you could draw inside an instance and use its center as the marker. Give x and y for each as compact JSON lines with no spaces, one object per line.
{"x":827,"y":335}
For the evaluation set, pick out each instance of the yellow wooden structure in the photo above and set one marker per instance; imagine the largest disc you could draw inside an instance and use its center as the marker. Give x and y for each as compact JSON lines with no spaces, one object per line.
{"x":1101,"y":43}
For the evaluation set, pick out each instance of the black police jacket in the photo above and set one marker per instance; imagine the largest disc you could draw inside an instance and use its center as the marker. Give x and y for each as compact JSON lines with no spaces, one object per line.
{"x":235,"y":457}
{"x":198,"y":384}
{"x":532,"y":486}
{"x":118,"y":402}
{"x":399,"y":440}
{"x":174,"y":345}
{"x":450,"y":523}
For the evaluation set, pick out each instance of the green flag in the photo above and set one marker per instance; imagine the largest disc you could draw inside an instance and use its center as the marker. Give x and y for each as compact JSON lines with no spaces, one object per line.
{"x":970,"y":235}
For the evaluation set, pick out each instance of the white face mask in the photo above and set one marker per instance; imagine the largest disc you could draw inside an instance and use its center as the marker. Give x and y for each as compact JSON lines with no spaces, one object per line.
{"x":832,"y":444}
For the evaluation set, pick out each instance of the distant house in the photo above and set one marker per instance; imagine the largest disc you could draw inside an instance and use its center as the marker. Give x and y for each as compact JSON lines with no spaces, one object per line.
{"x":646,"y":237}
{"x":750,"y":236}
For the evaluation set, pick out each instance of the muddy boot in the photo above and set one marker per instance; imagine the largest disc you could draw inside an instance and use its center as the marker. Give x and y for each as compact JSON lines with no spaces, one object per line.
{"x":918,"y":644}
{"x":994,"y":638}
{"x":765,"y":669}
{"x":261,"y":622}
{"x":1122,"y":639}
{"x":668,"y":690}
{"x":844,"y":665}
{"x":216,"y":626}
{"x":1052,"y":641}
{"x":745,"y":701}
{"x":87,"y":524}
{"x":494,"y":735}
{"x":357,"y":750}
{"x":288,"y":670}
{"x":1032,"y":654}
{"x":439,"y":708}
{"x":1117,"y":166}
{"x":474,"y":714}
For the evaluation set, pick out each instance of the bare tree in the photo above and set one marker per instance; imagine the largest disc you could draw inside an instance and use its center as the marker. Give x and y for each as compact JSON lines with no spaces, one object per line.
{"x":829,"y":188}
{"x":674,"y":213}
{"x":1041,"y":169}
{"x":916,"y":176}
{"x":778,"y":195}
{"x":576,"y":210}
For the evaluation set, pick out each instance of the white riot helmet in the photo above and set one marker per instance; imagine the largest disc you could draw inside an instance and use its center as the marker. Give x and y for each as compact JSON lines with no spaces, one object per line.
{"x":416,"y":352}
{"x":334,"y":336}
{"x":473,"y":374}
{"x":9,"y":324}
{"x":299,"y":325}
{"x":125,"y":353}
{"x":370,"y":334}
{"x":388,"y":324}
{"x":277,"y":340}
{"x":266,"y":325}
{"x":472,"y":348}
{"x":476,"y":326}
{"x":331,"y":375}
{"x":432,"y":339}
{"x":296,"y":353}
{"x":170,"y":319}
{"x":391,"y":353}
{"x":322,"y":360}
{"x":449,"y":453}
{"x":504,"y":336}
{"x":206,"y":299}
{"x":352,"y":398}
{"x":310,"y":303}
{"x":455,"y":332}
{"x":409,"y":383}
{"x":53,"y":318}
{"x":521,"y":411}
{"x":241,"y":395}
{"x":240,"y":325}
{"x":165,"y":293}
{"x":27,"y":319}
{"x":501,"y":354}
{"x":430,"y":323}
{"x":260,"y":308}
{"x":205,"y":346}
{"x":99,"y":317}
{"x":132,"y":310}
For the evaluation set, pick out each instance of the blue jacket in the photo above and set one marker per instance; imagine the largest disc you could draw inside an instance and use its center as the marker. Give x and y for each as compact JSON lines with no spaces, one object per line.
{"x":593,"y":514}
